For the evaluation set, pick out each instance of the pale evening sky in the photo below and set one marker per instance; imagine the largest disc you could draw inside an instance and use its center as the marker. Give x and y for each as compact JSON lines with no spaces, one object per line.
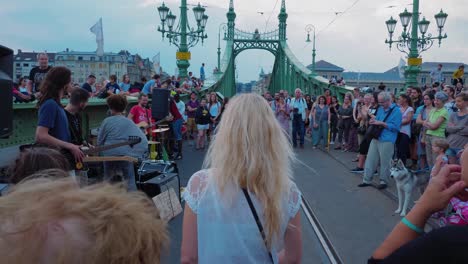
{"x":354,"y":41}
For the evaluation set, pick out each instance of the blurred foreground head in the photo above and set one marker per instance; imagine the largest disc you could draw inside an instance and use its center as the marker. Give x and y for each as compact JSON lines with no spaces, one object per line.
{"x":45,"y":220}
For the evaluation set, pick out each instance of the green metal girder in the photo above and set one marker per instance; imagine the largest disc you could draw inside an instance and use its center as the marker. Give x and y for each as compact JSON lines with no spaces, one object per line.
{"x":25,"y":120}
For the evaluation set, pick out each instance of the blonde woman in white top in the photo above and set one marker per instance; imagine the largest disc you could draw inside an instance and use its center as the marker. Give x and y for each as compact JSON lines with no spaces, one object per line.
{"x":249,"y":152}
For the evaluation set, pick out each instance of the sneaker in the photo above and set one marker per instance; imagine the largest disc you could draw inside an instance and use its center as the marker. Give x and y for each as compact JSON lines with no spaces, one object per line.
{"x":357,"y":170}
{"x":332,"y":142}
{"x":301,"y":146}
{"x":364,"y":184}
{"x":178,"y":156}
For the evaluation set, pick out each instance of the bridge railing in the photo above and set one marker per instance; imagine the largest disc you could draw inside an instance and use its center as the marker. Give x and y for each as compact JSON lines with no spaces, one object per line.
{"x":223,"y":81}
{"x":244,"y":35}
{"x":302,"y":77}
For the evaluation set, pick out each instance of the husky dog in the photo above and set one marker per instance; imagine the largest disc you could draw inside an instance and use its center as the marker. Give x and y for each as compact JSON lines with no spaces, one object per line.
{"x":406,"y":182}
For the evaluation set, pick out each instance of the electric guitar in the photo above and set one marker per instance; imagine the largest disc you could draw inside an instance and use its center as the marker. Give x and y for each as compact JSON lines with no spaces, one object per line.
{"x":144,"y":126}
{"x":132,"y":140}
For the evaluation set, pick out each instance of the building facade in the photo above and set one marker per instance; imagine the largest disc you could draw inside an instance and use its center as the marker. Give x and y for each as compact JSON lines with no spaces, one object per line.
{"x":82,"y":64}
{"x":391,"y":78}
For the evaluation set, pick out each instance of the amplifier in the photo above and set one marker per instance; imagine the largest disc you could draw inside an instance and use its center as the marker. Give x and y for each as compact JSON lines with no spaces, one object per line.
{"x":157,"y":176}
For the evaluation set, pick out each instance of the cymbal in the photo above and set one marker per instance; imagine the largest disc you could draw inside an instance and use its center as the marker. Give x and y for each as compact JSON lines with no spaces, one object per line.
{"x":160,"y":130}
{"x":153,"y":142}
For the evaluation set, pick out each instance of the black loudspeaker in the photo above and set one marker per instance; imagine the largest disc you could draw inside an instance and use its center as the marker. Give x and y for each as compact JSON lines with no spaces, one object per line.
{"x":6,"y":93}
{"x":160,"y":103}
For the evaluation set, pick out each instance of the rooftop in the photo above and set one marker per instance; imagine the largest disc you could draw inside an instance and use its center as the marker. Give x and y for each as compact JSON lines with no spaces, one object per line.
{"x":31,"y":56}
{"x":326,"y":66}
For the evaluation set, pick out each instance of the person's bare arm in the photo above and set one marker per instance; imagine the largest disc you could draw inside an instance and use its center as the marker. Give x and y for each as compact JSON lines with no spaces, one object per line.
{"x":189,"y":248}
{"x":292,"y":252}
{"x":407,"y":119}
{"x":436,"y":124}
{"x":435,"y":198}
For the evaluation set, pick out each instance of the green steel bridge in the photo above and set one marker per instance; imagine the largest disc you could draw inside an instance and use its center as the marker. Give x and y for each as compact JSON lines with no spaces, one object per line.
{"x":288,"y":72}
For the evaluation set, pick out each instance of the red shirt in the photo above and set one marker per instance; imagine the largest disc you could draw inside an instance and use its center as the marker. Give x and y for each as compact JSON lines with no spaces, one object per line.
{"x":174,"y":111}
{"x":140,"y":114}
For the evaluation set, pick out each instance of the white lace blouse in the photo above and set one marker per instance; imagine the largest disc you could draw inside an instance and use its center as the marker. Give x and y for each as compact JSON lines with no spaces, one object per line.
{"x":227,"y":232}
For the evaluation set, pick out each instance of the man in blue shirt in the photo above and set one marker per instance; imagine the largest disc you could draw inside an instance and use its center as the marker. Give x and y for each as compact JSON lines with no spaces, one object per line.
{"x":381,"y":149}
{"x":153,"y":83}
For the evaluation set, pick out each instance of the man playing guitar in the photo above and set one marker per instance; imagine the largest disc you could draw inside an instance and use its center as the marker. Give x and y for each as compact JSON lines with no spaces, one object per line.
{"x":77,"y":103}
{"x":52,"y":128}
{"x":140,"y":114}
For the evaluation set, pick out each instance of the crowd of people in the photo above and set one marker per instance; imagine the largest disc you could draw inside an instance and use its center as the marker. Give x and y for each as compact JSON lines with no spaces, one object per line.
{"x":27,"y":88}
{"x":423,"y":128}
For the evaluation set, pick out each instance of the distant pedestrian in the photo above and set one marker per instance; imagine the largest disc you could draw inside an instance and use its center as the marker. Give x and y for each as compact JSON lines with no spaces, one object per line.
{"x":282,"y":112}
{"x":202,"y":72}
{"x":458,"y":75}
{"x":437,"y":75}
{"x":299,"y":109}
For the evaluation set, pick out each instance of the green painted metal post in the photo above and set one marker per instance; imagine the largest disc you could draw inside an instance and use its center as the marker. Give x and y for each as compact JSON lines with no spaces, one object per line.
{"x":183,"y":64}
{"x":412,"y":71}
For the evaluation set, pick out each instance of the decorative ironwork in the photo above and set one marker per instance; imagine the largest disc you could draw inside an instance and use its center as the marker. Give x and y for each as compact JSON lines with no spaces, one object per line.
{"x":244,"y":35}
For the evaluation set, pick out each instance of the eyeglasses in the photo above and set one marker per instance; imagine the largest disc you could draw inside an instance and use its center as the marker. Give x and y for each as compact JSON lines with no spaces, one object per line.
{"x":381,"y":102}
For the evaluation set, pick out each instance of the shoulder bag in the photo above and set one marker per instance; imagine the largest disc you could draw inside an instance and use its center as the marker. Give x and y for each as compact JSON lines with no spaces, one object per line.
{"x":259,"y":224}
{"x":374,"y":131}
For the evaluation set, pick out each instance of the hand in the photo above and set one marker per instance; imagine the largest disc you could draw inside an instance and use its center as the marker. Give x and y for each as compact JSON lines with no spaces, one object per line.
{"x":374,"y":122}
{"x":441,"y":189}
{"x":76,"y":151}
{"x":426,"y":124}
{"x":315,"y":125}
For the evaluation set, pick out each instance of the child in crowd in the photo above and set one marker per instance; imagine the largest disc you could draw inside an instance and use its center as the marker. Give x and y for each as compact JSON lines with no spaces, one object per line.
{"x":439,"y":147}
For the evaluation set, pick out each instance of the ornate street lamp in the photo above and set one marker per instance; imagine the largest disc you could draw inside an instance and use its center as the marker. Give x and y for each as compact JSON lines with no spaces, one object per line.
{"x":410,"y":42}
{"x":222,"y":26}
{"x":308,"y":29}
{"x":183,"y":36}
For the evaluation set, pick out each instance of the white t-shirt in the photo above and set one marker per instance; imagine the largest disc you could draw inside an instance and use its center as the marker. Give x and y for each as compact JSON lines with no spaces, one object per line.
{"x":406,"y":129}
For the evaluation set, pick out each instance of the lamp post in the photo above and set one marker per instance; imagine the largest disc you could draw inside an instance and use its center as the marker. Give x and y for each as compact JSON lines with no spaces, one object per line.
{"x":412,"y":44}
{"x":222,"y":26}
{"x":183,"y":36}
{"x":308,"y":29}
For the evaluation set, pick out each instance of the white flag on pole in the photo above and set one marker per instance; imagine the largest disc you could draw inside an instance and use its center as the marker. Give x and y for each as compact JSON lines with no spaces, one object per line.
{"x":157,"y":63}
{"x":97,"y":30}
{"x":401,"y":68}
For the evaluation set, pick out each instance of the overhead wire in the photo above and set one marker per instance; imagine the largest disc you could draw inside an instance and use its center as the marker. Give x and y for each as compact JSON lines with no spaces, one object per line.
{"x":337,"y":15}
{"x":271,"y":13}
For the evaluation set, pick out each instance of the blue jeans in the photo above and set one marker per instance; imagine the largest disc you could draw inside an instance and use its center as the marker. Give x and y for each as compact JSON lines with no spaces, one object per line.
{"x":122,"y":170}
{"x":177,"y":128}
{"x":298,"y":127}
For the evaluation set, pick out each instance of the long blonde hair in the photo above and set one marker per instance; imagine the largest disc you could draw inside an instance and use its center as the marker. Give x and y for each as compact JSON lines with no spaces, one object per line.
{"x":119,"y":227}
{"x":251,"y":151}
